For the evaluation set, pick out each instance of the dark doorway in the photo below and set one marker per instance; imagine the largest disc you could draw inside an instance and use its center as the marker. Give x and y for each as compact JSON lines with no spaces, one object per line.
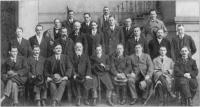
{"x":9,"y":22}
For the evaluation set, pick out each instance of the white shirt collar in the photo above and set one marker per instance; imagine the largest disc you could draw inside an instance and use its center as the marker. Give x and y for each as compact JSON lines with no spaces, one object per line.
{"x":39,"y":38}
{"x":181,"y":36}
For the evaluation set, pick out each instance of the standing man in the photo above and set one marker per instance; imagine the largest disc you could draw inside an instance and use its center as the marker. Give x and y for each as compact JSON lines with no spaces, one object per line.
{"x":86,"y":25}
{"x":78,"y":36}
{"x":36,"y":76}
{"x":137,"y":39}
{"x":113,"y":36}
{"x":68,"y":23}
{"x":82,"y":76}
{"x":156,"y":43}
{"x":14,"y":74}
{"x":142,"y":67}
{"x":23,"y":45}
{"x":42,"y":41}
{"x":58,"y":69}
{"x":103,"y":21}
{"x":185,"y":72}
{"x":128,"y":29}
{"x":181,"y":40}
{"x":152,"y":25}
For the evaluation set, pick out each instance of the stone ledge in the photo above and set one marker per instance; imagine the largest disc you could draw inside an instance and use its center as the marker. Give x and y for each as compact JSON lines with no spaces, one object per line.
{"x":187,"y":20}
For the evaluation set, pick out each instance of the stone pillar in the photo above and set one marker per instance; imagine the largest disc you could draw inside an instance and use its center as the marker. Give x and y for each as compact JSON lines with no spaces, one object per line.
{"x":188,"y":13}
{"x":28,"y":16}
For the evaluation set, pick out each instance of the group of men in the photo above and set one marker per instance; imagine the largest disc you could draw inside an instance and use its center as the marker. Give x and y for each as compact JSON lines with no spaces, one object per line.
{"x":83,"y":57}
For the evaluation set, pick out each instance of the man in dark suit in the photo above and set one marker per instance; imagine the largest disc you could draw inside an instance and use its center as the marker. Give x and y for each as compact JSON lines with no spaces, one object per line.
{"x":68,"y":23}
{"x":128,"y":29}
{"x":142,"y":67}
{"x":66,"y":42}
{"x":78,"y":36}
{"x":185,"y":72}
{"x":58,"y":69}
{"x":94,"y":38}
{"x":41,"y":40}
{"x":101,"y":69}
{"x":137,"y":39}
{"x":14,"y":74}
{"x":103,"y":21}
{"x":181,"y":40}
{"x":36,"y":76}
{"x":86,"y":25}
{"x":156,"y":43}
{"x":113,"y":36}
{"x":82,"y":76}
{"x":23,"y":45}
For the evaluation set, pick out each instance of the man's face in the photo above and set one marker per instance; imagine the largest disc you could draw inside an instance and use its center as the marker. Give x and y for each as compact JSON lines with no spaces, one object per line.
{"x":58,"y":49}
{"x":57,"y":23}
{"x":36,"y":51}
{"x":19,"y":33}
{"x":94,"y":25}
{"x":39,"y":30}
{"x":99,"y":50}
{"x":79,"y":48}
{"x":163,"y":51}
{"x":111,"y":21}
{"x":128,"y":22}
{"x":64,"y":33}
{"x":153,"y":15}
{"x":184,"y":52}
{"x":14,"y":52}
{"x":71,"y":15}
{"x":77,"y":26}
{"x":160,"y":34}
{"x":137,"y":31}
{"x":106,"y":11}
{"x":87,"y":18}
{"x":120,"y":50}
{"x":180,"y":30}
{"x":138,"y":49}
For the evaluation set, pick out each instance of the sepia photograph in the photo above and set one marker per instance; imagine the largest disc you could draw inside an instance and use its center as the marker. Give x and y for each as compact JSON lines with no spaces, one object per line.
{"x":103,"y":53}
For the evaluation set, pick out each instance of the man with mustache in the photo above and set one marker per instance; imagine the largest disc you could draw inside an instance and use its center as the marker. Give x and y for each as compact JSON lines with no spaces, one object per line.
{"x":103,"y":21}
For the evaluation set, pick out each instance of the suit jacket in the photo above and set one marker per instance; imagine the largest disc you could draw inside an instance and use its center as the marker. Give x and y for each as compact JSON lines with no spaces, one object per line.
{"x":177,"y":44}
{"x":181,"y":67}
{"x":143,"y":65}
{"x":93,"y":41}
{"x":85,"y":28}
{"x":68,"y":25}
{"x":160,"y":67}
{"x":112,"y":38}
{"x":67,"y":46}
{"x":45,"y":48}
{"x":154,"y":47}
{"x":102,"y":24}
{"x":81,"y":37}
{"x":65,"y":66}
{"x":20,"y":67}
{"x":128,"y":34}
{"x":131,"y":43}
{"x":24,"y":49}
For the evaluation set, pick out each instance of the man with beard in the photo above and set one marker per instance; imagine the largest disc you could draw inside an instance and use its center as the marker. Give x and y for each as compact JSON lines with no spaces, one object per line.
{"x":36,"y":76}
{"x":82,"y":76}
{"x":58,"y":70}
{"x":68,"y":23}
{"x":14,"y":75}
{"x":185,"y":72}
{"x":101,"y":69}
{"x":66,"y":42}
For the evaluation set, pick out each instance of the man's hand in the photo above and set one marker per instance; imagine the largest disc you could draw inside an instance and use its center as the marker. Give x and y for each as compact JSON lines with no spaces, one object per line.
{"x":102,"y":65}
{"x":88,"y":77}
{"x":11,"y":73}
{"x":49,"y":79}
{"x":65,"y":78}
{"x":75,"y":76}
{"x":147,"y":77}
{"x":33,"y":76}
{"x":187,"y":75}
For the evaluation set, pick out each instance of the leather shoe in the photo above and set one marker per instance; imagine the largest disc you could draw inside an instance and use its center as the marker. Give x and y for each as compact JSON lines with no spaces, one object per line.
{"x":133,"y":101}
{"x":172,"y":95}
{"x":86,"y":102}
{"x":38,"y":103}
{"x":94,"y":102}
{"x":78,"y":102}
{"x":110,"y":103}
{"x":43,"y":103}
{"x":123,"y":102}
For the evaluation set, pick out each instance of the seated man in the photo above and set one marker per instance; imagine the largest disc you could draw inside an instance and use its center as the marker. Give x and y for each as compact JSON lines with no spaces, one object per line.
{"x":14,"y":74}
{"x":120,"y":66}
{"x":163,"y":73}
{"x":142,"y":67}
{"x":58,"y":69}
{"x":36,"y":75}
{"x":101,"y":69}
{"x":82,"y":75}
{"x":186,"y":71}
